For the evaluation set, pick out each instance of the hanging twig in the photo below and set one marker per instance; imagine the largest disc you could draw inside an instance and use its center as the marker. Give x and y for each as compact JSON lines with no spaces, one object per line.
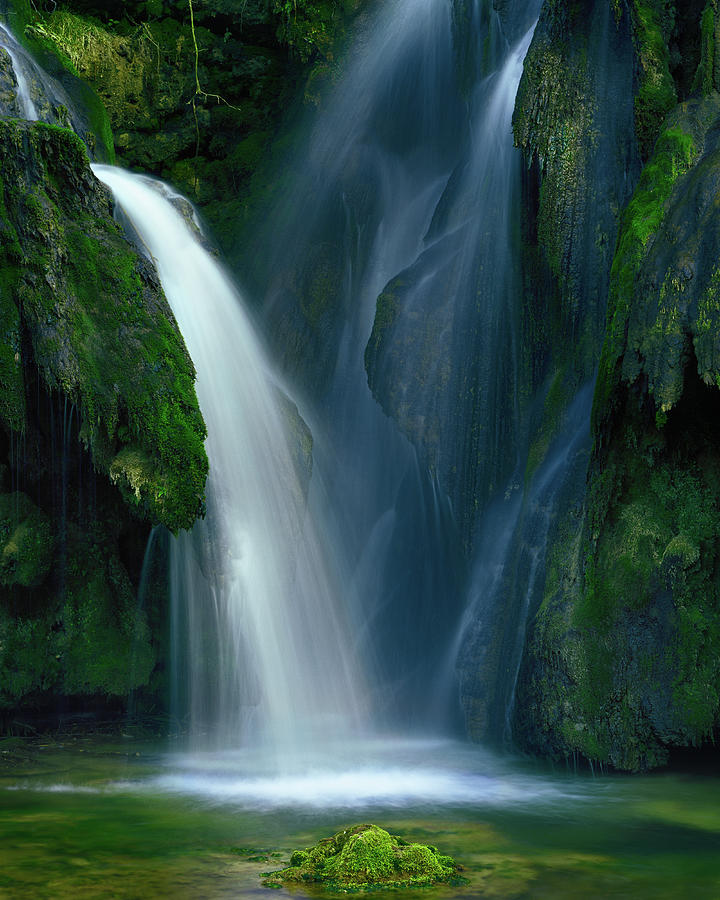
{"x":199,"y":92}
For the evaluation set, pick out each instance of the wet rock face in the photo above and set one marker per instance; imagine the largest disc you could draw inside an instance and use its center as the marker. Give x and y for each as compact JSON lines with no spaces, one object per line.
{"x":574,"y":121}
{"x":8,"y":86}
{"x":97,"y":325}
{"x":679,"y":277}
{"x":624,"y":659}
{"x":100,"y":432}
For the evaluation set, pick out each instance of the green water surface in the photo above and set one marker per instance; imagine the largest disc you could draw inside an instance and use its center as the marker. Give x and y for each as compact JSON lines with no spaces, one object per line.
{"x":78,"y":820}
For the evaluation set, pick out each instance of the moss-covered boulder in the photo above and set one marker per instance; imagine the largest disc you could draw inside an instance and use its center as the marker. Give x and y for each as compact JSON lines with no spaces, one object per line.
{"x":363,"y":858}
{"x":78,"y":303}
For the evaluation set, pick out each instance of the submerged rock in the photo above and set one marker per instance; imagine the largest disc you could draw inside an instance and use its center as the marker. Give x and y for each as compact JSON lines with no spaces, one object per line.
{"x":365,"y":857}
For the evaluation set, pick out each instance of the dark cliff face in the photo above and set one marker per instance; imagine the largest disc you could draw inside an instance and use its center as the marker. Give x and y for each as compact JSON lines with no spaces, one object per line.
{"x":100,"y":428}
{"x":574,"y":121}
{"x":623,"y":661}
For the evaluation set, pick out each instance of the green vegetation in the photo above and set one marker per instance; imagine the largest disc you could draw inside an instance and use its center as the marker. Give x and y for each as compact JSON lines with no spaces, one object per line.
{"x":705,"y":78}
{"x":628,"y":672}
{"x":652,"y":24}
{"x":625,"y":655}
{"x":94,"y":123}
{"x":675,"y":153}
{"x":86,"y":326}
{"x":365,"y":857}
{"x":104,"y":645}
{"x":195,"y":92}
{"x":101,"y":332}
{"x":26,"y":541}
{"x":312,"y":29}
{"x":84,"y":637}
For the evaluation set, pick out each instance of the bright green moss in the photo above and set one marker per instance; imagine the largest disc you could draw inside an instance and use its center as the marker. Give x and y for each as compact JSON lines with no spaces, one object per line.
{"x":365,"y":857}
{"x":675,"y":153}
{"x":656,"y":95}
{"x":101,"y":331}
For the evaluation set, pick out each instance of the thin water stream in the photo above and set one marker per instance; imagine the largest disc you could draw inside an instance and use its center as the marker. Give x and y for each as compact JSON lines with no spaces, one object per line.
{"x":21,"y":65}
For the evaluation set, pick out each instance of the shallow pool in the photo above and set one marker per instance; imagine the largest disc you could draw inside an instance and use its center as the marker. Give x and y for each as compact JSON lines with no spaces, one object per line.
{"x":88,"y":818}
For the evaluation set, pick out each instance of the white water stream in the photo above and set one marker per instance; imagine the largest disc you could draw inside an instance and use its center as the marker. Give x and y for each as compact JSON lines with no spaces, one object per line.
{"x":22,"y":65}
{"x":269,"y":656}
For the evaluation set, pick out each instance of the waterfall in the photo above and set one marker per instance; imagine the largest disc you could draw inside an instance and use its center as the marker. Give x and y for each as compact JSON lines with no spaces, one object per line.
{"x":21,"y":64}
{"x":40,"y":96}
{"x":399,"y":240}
{"x":407,"y":202}
{"x":269,"y":656}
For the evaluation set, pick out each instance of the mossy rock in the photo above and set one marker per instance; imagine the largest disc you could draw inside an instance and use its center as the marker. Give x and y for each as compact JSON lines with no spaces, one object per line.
{"x":623,"y":662}
{"x":365,"y":858}
{"x":86,"y":636}
{"x":26,"y":541}
{"x":98,"y":328}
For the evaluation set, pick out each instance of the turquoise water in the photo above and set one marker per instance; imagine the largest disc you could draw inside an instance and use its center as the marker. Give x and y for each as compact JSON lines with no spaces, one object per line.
{"x":93,"y":819}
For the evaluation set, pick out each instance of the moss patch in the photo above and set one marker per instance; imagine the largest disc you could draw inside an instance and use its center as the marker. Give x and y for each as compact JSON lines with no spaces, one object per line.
{"x":363,"y":858}
{"x":100,"y":329}
{"x":656,"y":96}
{"x":653,"y":333}
{"x":82,"y":636}
{"x":26,"y":541}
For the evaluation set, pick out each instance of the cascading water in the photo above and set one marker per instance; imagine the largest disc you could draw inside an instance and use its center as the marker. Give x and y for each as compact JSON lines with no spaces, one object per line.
{"x":268,"y":655}
{"x":378,"y":162}
{"x":21,"y":64}
{"x":38,"y":95}
{"x":409,"y":192}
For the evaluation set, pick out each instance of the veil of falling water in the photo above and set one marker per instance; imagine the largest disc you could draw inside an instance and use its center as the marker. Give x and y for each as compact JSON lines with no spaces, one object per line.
{"x":409,"y":188}
{"x":268,"y":656}
{"x":271,"y":634}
